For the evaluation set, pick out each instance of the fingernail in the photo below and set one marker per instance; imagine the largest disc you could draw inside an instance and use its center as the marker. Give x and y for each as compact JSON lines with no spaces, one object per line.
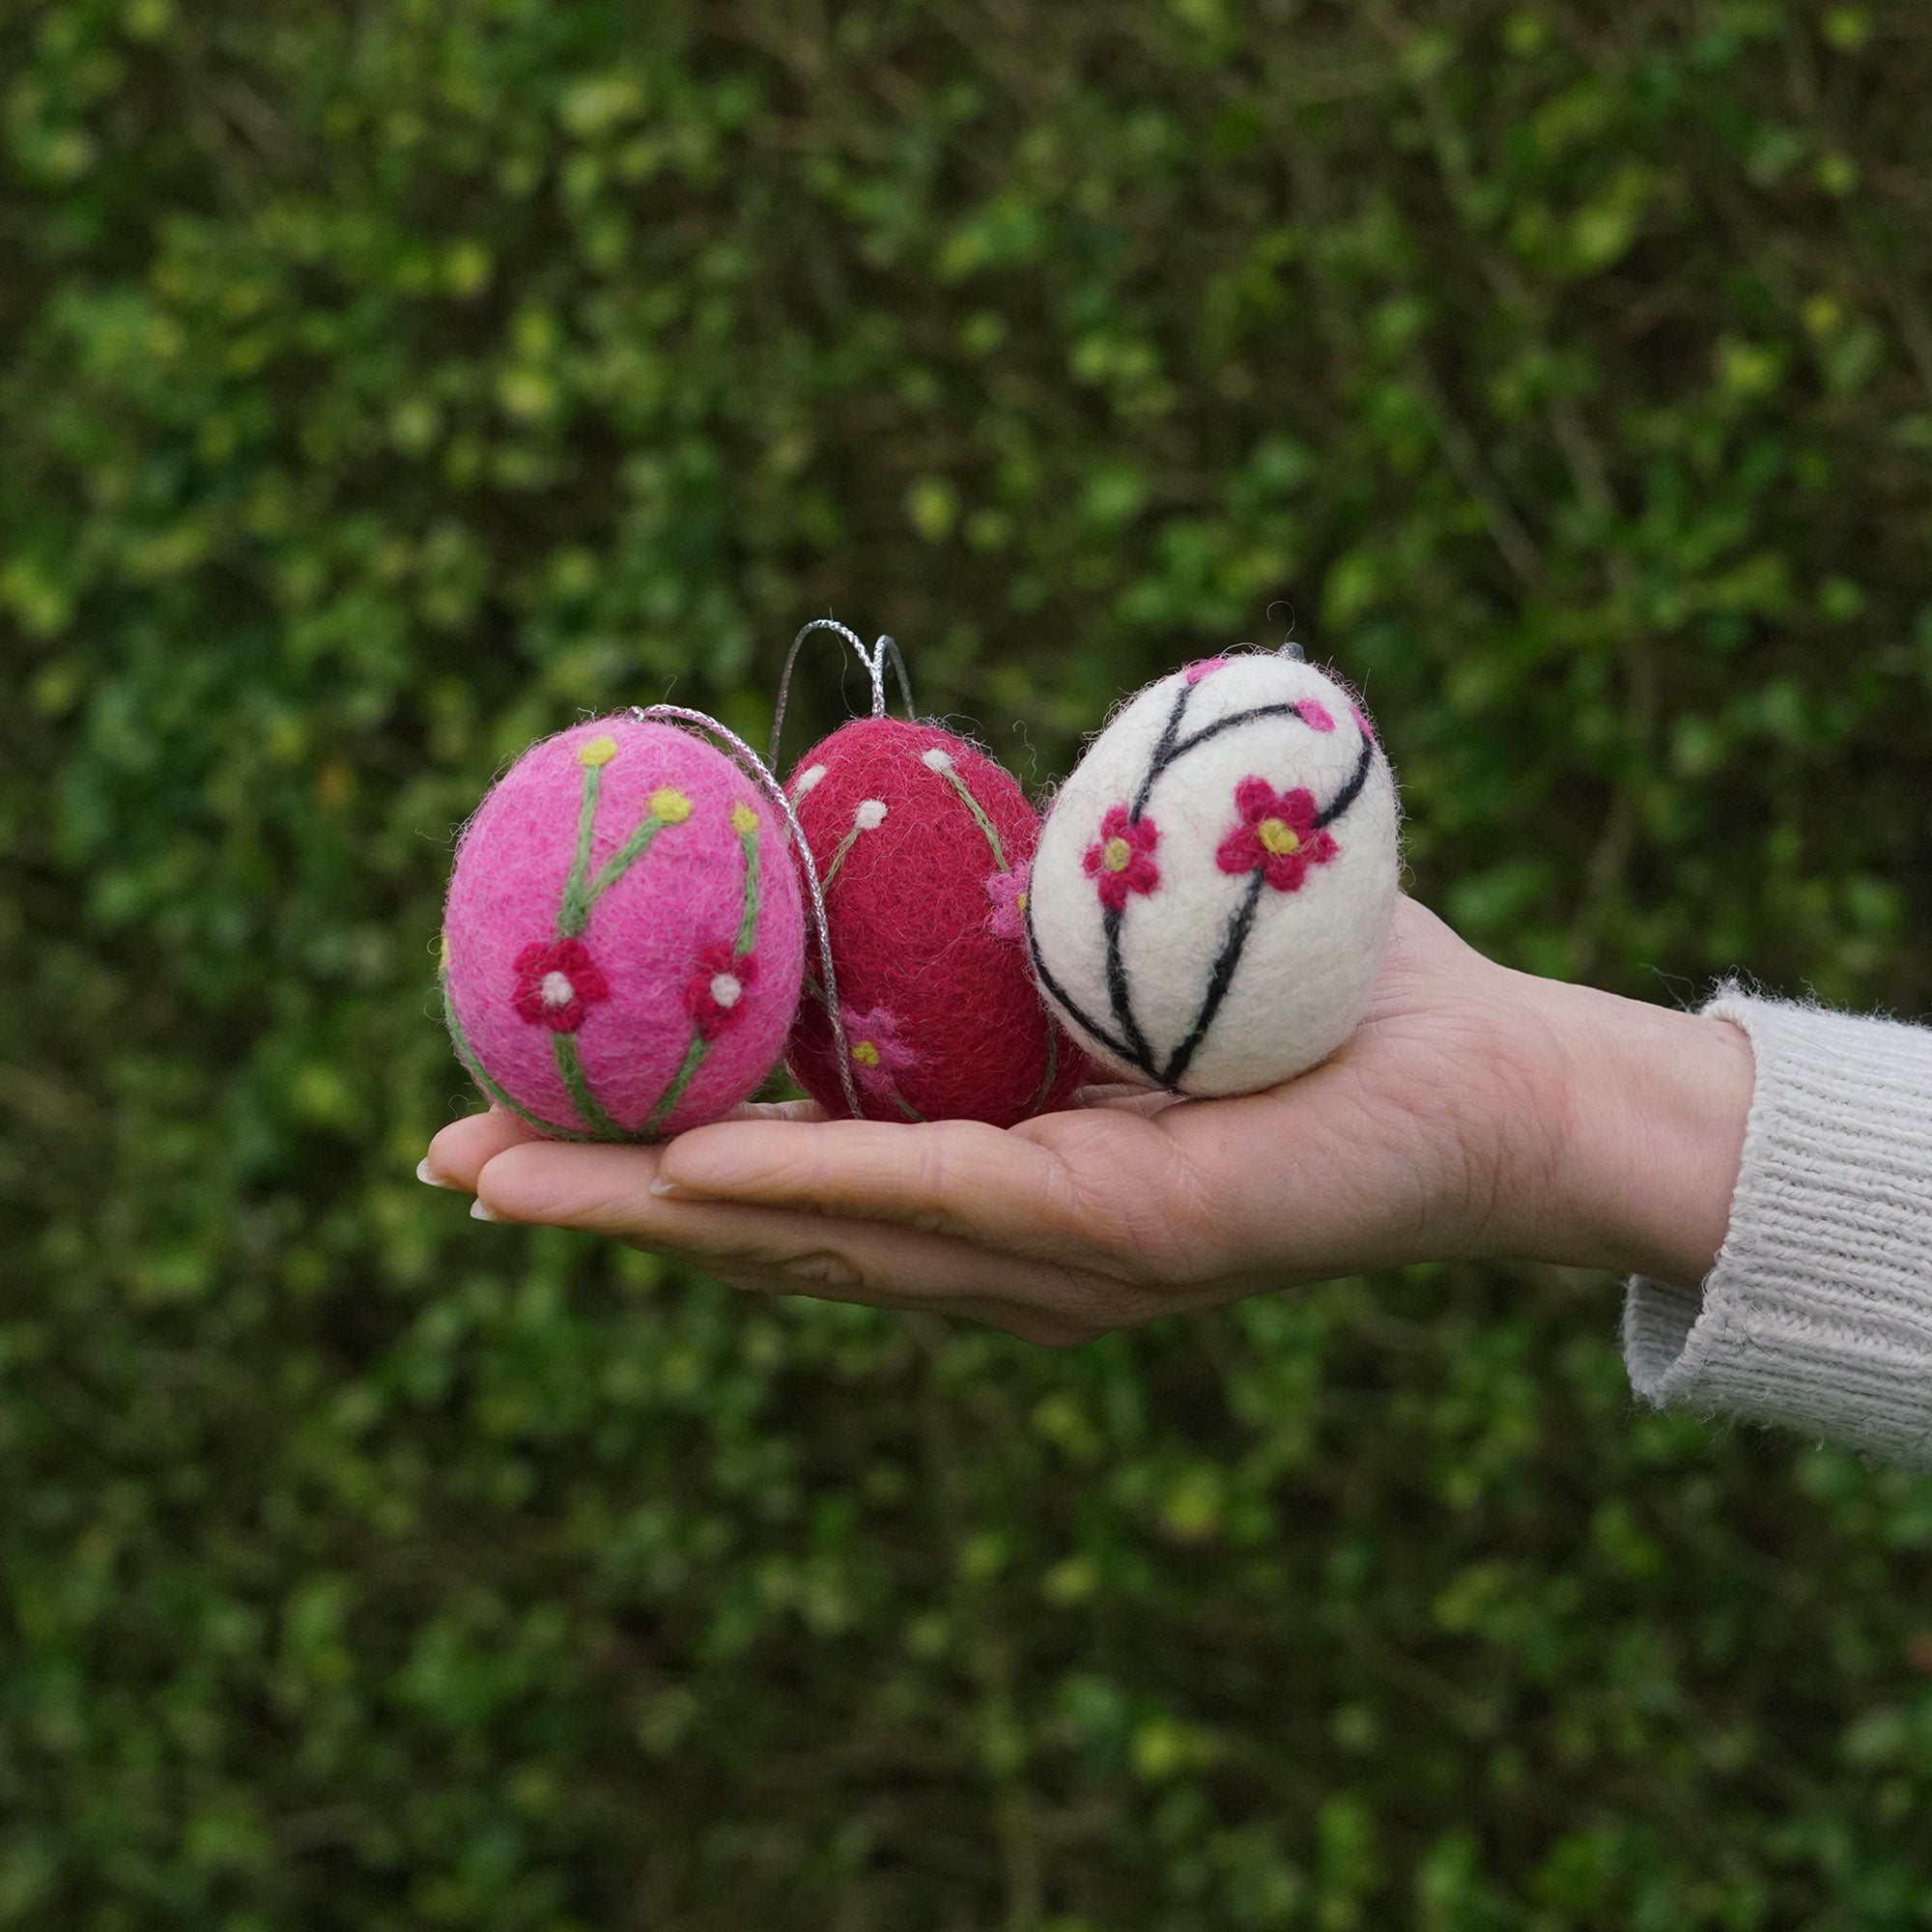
{"x":479,"y":1212}
{"x":429,"y":1177}
{"x":663,"y":1186}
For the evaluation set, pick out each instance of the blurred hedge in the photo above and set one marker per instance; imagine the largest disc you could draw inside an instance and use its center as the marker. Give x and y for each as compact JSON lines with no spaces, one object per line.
{"x":385,"y":384}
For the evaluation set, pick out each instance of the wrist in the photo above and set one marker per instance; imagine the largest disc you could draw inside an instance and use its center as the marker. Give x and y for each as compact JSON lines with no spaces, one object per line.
{"x":1648,"y":1107}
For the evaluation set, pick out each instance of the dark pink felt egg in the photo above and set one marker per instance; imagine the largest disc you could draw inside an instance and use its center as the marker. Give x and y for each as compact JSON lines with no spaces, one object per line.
{"x":923,"y":844}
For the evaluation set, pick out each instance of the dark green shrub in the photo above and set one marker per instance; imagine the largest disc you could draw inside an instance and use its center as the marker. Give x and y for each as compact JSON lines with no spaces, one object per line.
{"x":385,"y":383}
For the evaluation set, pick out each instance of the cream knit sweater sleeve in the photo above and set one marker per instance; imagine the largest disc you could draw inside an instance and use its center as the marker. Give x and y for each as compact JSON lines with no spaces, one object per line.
{"x":1818,"y":1314}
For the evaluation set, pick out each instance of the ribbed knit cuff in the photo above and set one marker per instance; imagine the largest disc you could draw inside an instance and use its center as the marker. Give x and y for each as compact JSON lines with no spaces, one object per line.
{"x":1818,"y":1314}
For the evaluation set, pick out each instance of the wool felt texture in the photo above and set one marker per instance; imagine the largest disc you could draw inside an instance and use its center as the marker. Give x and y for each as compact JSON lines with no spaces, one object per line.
{"x":1214,"y":885}
{"x":920,"y":839}
{"x":624,"y":940}
{"x":1817,"y":1313}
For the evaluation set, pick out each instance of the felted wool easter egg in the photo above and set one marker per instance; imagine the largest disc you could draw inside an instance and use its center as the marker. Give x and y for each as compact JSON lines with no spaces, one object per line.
{"x":923,"y":846}
{"x":1215,"y":883}
{"x":623,"y":940}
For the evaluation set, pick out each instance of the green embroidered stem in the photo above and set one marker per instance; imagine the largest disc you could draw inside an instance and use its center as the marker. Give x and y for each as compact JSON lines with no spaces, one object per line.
{"x":846,"y":846}
{"x":744,"y":822}
{"x":694,"y":1058}
{"x":586,"y":1104}
{"x":616,"y":866}
{"x":477,"y":1073}
{"x":979,"y":812}
{"x":748,"y":924}
{"x":905,"y":1107}
{"x":580,"y":892}
{"x":574,"y":912}
{"x":1052,"y":1065}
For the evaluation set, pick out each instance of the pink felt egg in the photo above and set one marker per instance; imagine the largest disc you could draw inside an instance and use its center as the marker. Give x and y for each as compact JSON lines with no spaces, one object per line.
{"x":624,"y":942}
{"x":923,"y":844}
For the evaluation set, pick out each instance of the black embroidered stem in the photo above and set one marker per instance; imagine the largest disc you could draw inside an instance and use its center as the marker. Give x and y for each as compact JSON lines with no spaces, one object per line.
{"x":1351,"y":791}
{"x":1163,"y":753}
{"x":1228,"y":723}
{"x":1173,"y":747}
{"x":1131,"y":1045}
{"x":1090,"y":1027}
{"x":1221,"y":978}
{"x":1119,"y":994}
{"x":1170,"y":750}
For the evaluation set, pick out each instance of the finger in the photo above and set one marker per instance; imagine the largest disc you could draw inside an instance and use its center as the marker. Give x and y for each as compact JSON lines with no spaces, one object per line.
{"x":459,"y":1151}
{"x":1144,"y":1100}
{"x":1021,"y":1319}
{"x":956,"y":1178}
{"x":607,"y":1190}
{"x":776,"y":1110}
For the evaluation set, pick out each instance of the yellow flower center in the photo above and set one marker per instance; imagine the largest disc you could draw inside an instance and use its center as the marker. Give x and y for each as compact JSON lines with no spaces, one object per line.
{"x":1277,"y":837}
{"x":598,"y":752}
{"x":865,"y":1054}
{"x":671,"y":806}
{"x":1020,"y":905}
{"x":744,"y":821}
{"x":1117,"y":855}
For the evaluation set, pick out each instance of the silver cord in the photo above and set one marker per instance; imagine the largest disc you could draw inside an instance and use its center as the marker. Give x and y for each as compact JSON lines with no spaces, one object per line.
{"x":873,"y":659}
{"x":762,"y":775}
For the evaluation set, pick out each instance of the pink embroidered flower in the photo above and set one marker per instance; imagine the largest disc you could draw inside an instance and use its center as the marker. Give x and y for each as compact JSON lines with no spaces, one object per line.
{"x":1199,"y":668}
{"x":1007,"y":892}
{"x":714,"y":996}
{"x":878,"y":1053}
{"x":1315,"y":714}
{"x":1120,"y":861}
{"x":1277,"y":835}
{"x":558,"y":983}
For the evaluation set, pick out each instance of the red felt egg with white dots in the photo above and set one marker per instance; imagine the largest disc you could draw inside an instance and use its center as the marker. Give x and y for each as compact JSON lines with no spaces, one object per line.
{"x":923,"y":846}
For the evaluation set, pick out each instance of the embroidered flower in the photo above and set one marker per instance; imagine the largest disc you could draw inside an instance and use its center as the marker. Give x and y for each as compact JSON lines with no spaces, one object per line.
{"x":937,"y":759}
{"x":871,"y":814}
{"x":1199,"y":668}
{"x":878,"y":1053}
{"x":714,"y":996}
{"x":1120,"y":861}
{"x":598,"y":752}
{"x":744,"y":821}
{"x":558,"y":983}
{"x":669,"y":805}
{"x":1277,"y":835}
{"x":1315,"y":714}
{"x":1007,"y":892}
{"x":805,"y":779}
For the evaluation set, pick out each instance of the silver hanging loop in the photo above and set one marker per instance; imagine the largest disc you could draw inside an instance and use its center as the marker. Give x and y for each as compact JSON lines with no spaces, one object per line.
{"x":762,"y":775}
{"x":874,"y":658}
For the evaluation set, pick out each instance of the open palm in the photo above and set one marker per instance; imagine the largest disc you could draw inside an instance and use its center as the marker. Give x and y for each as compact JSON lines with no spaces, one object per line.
{"x":1437,"y":1131}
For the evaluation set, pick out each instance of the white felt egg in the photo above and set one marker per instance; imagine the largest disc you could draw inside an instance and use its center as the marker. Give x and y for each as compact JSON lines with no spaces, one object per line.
{"x":1214,"y":886}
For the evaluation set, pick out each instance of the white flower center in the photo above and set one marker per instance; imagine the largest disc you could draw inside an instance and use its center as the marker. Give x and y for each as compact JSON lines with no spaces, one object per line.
{"x":558,"y":991}
{"x":807,"y":779}
{"x":872,"y":812}
{"x":938,"y":759}
{"x":727,"y":988}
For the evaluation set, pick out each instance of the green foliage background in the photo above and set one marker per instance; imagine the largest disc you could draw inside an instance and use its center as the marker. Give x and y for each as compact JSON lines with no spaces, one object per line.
{"x":384,"y":385}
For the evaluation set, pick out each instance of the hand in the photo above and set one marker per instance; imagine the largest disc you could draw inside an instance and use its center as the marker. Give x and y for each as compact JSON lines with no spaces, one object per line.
{"x":1476,"y":1111}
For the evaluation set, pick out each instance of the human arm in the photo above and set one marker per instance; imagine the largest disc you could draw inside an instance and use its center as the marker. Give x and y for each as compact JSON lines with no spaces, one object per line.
{"x":1817,"y":1313}
{"x":1478,"y":1112}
